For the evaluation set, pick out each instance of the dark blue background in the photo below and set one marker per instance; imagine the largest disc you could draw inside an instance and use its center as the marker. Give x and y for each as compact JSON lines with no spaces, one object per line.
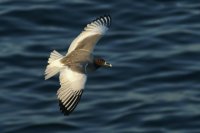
{"x":153,"y":87}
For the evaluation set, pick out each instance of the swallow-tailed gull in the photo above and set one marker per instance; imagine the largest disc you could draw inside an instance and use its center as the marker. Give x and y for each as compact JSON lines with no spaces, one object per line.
{"x":77,"y":63}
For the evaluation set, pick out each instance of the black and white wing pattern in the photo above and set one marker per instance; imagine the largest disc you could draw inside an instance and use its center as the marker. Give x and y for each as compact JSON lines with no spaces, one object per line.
{"x":72,"y":85}
{"x":91,"y":34}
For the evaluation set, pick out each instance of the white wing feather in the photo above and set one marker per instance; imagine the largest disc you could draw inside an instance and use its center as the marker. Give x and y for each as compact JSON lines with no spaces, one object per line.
{"x":97,"y":27}
{"x":72,"y":85}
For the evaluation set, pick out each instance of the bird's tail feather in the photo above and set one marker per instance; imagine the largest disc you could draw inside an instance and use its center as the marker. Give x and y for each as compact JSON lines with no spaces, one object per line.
{"x":54,"y":65}
{"x":54,"y":56}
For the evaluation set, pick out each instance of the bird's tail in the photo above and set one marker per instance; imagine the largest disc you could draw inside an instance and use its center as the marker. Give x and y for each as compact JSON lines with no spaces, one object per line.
{"x":54,"y":65}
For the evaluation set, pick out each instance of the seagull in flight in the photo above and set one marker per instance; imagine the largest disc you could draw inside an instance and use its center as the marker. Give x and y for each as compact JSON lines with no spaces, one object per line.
{"x":77,"y":64}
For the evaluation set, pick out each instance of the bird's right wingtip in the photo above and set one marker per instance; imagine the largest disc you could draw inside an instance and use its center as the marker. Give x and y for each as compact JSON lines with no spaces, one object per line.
{"x":103,"y":20}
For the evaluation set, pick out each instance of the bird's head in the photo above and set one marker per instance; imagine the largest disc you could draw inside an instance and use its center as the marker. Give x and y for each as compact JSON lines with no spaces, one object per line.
{"x":99,"y":62}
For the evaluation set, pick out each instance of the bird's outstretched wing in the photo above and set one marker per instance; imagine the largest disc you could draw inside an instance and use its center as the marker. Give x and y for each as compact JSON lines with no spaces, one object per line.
{"x":91,"y":34}
{"x":72,"y":85}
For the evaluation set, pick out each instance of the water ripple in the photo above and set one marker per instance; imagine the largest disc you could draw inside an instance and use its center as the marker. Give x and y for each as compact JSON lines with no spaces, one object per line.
{"x":152,"y":87}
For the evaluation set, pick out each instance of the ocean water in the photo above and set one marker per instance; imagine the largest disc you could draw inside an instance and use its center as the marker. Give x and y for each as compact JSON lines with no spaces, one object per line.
{"x":153,"y":87}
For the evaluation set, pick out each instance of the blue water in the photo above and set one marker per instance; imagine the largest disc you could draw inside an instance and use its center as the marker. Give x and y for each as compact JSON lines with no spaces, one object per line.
{"x":153,"y":87}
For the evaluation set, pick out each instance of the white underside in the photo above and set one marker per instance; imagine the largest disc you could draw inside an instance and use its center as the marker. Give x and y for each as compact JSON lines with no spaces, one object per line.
{"x":70,"y":79}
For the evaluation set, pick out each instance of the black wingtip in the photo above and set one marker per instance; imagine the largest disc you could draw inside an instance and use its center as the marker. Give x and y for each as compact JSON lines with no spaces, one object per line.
{"x":64,"y":108}
{"x":104,"y":20}
{"x":109,"y":18}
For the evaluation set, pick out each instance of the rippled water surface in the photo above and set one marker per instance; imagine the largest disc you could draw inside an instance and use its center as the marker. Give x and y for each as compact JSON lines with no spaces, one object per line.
{"x":153,"y":87}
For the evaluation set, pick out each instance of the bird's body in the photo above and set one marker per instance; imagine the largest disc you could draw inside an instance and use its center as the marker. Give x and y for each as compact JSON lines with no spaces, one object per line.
{"x":82,"y":63}
{"x":77,"y":63}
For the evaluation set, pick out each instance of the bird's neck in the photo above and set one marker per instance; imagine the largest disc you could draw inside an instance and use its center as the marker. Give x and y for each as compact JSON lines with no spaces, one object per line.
{"x":96,"y":66}
{"x":91,"y":68}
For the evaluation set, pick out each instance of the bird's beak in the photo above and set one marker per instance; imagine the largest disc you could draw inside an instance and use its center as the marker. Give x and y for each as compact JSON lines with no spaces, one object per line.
{"x":106,"y":64}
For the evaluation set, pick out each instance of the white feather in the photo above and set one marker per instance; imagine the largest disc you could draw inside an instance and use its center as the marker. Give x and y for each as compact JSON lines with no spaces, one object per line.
{"x":72,"y":79}
{"x":54,"y":56}
{"x":98,"y":27}
{"x":72,"y":83}
{"x":54,"y":65}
